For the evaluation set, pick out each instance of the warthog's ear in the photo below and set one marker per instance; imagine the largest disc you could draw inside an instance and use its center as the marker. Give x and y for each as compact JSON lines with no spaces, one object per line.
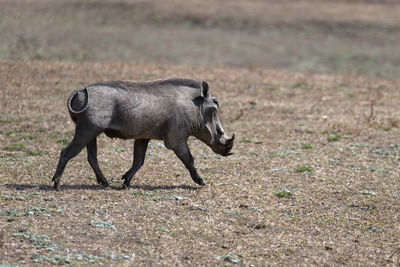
{"x":204,"y":90}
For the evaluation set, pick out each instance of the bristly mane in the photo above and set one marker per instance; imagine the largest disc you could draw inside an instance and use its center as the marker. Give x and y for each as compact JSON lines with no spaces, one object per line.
{"x":169,"y":82}
{"x":179,"y":82}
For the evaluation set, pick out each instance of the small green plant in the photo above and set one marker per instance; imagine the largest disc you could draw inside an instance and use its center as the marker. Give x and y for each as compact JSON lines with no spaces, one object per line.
{"x":366,"y":192}
{"x":14,"y":198}
{"x":372,"y":228}
{"x":156,"y":145}
{"x":143,"y":193}
{"x":39,"y":241}
{"x":255,"y":209}
{"x":103,"y":224}
{"x":289,"y":215}
{"x":175,"y":197}
{"x":306,"y":147}
{"x":289,"y":152}
{"x":283,"y":194}
{"x":114,"y":256}
{"x":301,"y":85}
{"x":54,"y":134}
{"x":10,"y":133}
{"x":87,"y":257}
{"x":271,"y":89}
{"x":29,"y":137}
{"x":15,"y":147}
{"x":11,"y":157}
{"x":10,"y":120}
{"x":53,"y":258}
{"x":199,"y":207}
{"x":163,"y":230}
{"x":10,"y":212}
{"x":35,"y":153}
{"x":333,"y":138}
{"x":229,"y":258}
{"x":329,"y":132}
{"x":70,"y":133}
{"x":36,"y":210}
{"x":40,"y":210}
{"x":63,"y":141}
{"x":304,"y":169}
{"x":228,"y":183}
{"x":378,"y":170}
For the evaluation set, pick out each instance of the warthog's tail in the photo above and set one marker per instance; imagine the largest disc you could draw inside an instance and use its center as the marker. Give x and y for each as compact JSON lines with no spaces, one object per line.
{"x":78,"y":101}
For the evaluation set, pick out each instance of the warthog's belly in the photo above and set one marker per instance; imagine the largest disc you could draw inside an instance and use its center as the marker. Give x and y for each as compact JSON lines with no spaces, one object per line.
{"x":115,"y":134}
{"x":154,"y":134}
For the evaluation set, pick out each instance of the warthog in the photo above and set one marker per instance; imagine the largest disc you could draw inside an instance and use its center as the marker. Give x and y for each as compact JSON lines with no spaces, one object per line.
{"x":169,"y":110}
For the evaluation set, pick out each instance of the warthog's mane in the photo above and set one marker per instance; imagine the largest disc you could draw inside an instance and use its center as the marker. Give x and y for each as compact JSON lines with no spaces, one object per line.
{"x":173,"y":82}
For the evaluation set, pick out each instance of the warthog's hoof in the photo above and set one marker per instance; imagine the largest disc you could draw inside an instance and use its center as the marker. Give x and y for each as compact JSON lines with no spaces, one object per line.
{"x":56,"y":186}
{"x":104,"y":185}
{"x":103,"y":182}
{"x":200,"y":182}
{"x":125,"y":185}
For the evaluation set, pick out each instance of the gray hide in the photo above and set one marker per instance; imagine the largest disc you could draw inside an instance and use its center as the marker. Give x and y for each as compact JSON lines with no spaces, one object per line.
{"x":169,"y":110}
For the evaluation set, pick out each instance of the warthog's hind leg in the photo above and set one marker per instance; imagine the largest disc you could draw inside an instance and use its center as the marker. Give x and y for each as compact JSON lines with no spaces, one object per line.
{"x":92,"y":158}
{"x":67,"y":153}
{"x":139,"y":155}
{"x":81,"y":138}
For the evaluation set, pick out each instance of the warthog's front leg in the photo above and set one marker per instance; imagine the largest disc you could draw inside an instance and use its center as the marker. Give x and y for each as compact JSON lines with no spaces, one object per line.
{"x":183,"y":153}
{"x":139,"y":155}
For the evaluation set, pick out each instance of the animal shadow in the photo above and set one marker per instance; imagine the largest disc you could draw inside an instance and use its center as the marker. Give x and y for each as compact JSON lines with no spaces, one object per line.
{"x":165,"y":187}
{"x":49,"y":187}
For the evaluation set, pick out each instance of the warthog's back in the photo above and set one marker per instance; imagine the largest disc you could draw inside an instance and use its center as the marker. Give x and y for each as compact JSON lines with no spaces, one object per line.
{"x":151,"y":85}
{"x":137,"y":110}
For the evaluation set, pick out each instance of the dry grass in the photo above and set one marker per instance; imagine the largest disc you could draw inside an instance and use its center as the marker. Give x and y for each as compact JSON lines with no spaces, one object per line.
{"x":287,"y":196}
{"x":303,"y":35}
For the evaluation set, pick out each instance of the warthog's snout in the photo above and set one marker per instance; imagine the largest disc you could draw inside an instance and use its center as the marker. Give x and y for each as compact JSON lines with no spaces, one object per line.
{"x":228,"y":146}
{"x":224,"y":146}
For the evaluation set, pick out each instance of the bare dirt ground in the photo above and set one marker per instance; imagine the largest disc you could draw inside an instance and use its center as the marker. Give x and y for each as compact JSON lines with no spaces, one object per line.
{"x":304,"y":35}
{"x":314,"y":179}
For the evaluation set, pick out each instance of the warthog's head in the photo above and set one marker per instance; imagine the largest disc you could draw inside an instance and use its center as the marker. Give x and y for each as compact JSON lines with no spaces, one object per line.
{"x":211,"y":132}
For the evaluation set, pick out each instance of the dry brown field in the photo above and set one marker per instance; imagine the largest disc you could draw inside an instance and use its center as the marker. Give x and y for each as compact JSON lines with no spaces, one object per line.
{"x":311,"y":89}
{"x":320,"y":36}
{"x":314,"y":179}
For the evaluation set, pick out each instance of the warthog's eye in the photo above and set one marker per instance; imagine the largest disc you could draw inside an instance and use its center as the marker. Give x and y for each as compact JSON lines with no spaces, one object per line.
{"x":210,"y":110}
{"x":215,"y":101}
